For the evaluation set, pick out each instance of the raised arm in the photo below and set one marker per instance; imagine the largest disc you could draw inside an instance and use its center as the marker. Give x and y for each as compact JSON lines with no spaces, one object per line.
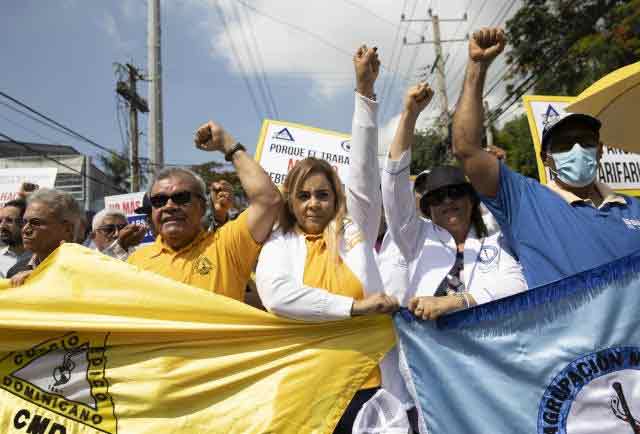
{"x":398,"y":198}
{"x":480,"y":166}
{"x":364,"y":200}
{"x":265,"y":200}
{"x":417,"y":98}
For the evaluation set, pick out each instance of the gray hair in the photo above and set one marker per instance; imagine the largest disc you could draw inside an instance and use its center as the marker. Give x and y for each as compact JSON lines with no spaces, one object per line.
{"x":101,"y":215}
{"x":180,"y":172}
{"x":63,"y":205}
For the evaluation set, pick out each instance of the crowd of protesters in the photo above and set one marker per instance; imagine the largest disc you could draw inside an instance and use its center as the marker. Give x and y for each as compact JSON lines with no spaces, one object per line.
{"x":324,"y":251}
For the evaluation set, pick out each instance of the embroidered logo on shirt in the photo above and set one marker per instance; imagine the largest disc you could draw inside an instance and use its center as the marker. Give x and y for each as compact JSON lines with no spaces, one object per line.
{"x":487,"y":255}
{"x":202,"y":265}
{"x":632,"y":223}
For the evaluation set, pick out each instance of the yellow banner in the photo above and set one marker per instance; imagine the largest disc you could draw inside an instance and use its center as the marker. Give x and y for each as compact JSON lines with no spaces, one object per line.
{"x":94,"y":345}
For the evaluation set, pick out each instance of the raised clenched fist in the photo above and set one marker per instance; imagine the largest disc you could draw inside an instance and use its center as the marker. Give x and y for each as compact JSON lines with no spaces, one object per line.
{"x":486,"y":44}
{"x":417,"y":98}
{"x":367,"y":68}
{"x":212,"y":137}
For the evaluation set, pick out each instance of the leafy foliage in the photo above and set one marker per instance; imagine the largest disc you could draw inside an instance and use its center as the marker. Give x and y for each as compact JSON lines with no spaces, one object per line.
{"x":214,"y":171}
{"x":429,"y":150}
{"x":515,"y":139}
{"x":568,"y":44}
{"x":117,"y":168}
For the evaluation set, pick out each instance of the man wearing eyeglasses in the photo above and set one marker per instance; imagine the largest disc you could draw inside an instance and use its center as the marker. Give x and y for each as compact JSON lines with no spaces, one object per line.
{"x":571,"y":225}
{"x":219,"y":261}
{"x":113,"y":236}
{"x":49,"y":220}
{"x":10,"y":234}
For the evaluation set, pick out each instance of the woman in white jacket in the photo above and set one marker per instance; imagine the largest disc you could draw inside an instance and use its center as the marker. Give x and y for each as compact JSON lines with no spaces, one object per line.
{"x":319,"y":264}
{"x":452,"y":262}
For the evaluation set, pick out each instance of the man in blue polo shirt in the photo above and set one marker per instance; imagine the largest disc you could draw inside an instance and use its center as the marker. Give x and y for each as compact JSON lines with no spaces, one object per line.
{"x":572,"y":224}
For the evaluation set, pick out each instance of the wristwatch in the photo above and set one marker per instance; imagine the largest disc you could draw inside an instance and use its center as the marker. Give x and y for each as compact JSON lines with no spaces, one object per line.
{"x":228,"y":156}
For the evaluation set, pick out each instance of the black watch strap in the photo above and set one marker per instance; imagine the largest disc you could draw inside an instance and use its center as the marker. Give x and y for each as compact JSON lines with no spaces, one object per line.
{"x":228,"y":156}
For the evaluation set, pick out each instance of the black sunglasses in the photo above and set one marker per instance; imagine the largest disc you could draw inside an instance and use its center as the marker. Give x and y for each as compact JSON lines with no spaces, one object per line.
{"x":180,"y":198}
{"x":111,"y":229}
{"x":455,"y":192}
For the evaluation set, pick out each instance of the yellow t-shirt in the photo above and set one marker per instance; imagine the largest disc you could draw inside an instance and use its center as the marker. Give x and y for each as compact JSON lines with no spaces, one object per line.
{"x":219,"y":261}
{"x":320,"y":271}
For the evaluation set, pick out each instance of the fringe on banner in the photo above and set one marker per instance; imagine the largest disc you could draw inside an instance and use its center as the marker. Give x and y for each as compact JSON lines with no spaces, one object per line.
{"x":557,"y":297}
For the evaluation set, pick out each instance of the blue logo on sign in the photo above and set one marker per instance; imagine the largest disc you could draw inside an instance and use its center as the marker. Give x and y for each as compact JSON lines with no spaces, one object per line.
{"x":550,"y":117}
{"x":284,"y":134}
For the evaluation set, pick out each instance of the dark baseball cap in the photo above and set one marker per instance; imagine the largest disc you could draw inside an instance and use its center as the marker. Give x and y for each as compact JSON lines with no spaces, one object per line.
{"x":145,"y":208}
{"x":443,"y":176}
{"x":587,"y":120}
{"x":421,"y":181}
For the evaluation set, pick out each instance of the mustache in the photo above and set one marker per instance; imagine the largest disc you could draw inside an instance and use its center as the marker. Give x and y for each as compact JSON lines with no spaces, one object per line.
{"x":172,"y":214}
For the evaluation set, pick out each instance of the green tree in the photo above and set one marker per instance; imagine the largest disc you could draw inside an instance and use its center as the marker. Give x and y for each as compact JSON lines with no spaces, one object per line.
{"x":515,"y":139}
{"x":429,"y":150}
{"x":116,"y":167}
{"x":566,"y":45}
{"x":214,"y":171}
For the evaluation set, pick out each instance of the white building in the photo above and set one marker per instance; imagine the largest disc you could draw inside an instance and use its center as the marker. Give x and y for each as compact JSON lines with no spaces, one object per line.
{"x":76,"y":173}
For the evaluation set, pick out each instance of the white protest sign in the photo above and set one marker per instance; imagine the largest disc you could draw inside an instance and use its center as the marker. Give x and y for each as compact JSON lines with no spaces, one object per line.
{"x":12,"y":179}
{"x":127,"y":203}
{"x":618,"y":169}
{"x":283,"y":144}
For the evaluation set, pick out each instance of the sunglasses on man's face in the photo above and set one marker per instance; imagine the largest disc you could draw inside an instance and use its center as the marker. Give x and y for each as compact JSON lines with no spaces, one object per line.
{"x":111,"y":229}
{"x":454,"y":192}
{"x":180,"y":198}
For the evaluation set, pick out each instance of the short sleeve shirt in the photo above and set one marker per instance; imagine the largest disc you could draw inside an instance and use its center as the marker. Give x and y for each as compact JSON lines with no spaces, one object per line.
{"x":554,"y":239}
{"x":220,"y":261}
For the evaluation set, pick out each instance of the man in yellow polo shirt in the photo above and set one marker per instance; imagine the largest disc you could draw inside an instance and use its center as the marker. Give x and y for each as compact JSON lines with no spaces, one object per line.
{"x":219,"y":261}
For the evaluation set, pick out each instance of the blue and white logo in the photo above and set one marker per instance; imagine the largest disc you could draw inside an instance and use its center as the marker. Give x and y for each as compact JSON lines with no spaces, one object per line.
{"x":284,"y":134}
{"x":346,"y":145}
{"x":487,"y":254}
{"x":596,"y":393}
{"x":550,"y":117}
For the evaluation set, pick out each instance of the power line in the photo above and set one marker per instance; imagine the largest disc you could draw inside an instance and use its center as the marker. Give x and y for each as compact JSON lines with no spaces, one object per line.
{"x":62,"y":129}
{"x":58,"y":124}
{"x":381,"y":18}
{"x":35,"y":119}
{"x":46,"y":156}
{"x":252,"y":62}
{"x":252,"y":65}
{"x":35,"y":133}
{"x":265,"y":81}
{"x":395,"y":71}
{"x":301,"y":30}
{"x":234,"y":51}
{"x":123,"y":136}
{"x":393,"y":53}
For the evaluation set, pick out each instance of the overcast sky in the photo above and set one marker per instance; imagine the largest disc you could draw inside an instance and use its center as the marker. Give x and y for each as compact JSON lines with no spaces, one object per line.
{"x":58,"y":57}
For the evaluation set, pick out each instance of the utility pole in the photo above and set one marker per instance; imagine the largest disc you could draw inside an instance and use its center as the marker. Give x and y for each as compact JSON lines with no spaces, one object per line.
{"x":438,"y":65}
{"x":136,"y":104}
{"x":156,"y":149}
{"x":487,"y":125}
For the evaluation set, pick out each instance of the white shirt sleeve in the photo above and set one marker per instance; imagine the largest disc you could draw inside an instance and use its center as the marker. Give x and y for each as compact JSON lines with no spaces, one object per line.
{"x":364,"y":200}
{"x":283,"y":295}
{"x":505,"y":281}
{"x":116,"y":251}
{"x":399,"y":206}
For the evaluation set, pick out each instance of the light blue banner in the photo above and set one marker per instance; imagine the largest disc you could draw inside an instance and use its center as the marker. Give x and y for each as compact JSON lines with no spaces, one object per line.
{"x":563,"y":358}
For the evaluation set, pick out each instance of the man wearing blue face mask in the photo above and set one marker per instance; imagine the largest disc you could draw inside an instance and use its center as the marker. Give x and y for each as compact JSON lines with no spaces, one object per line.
{"x":572,"y":224}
